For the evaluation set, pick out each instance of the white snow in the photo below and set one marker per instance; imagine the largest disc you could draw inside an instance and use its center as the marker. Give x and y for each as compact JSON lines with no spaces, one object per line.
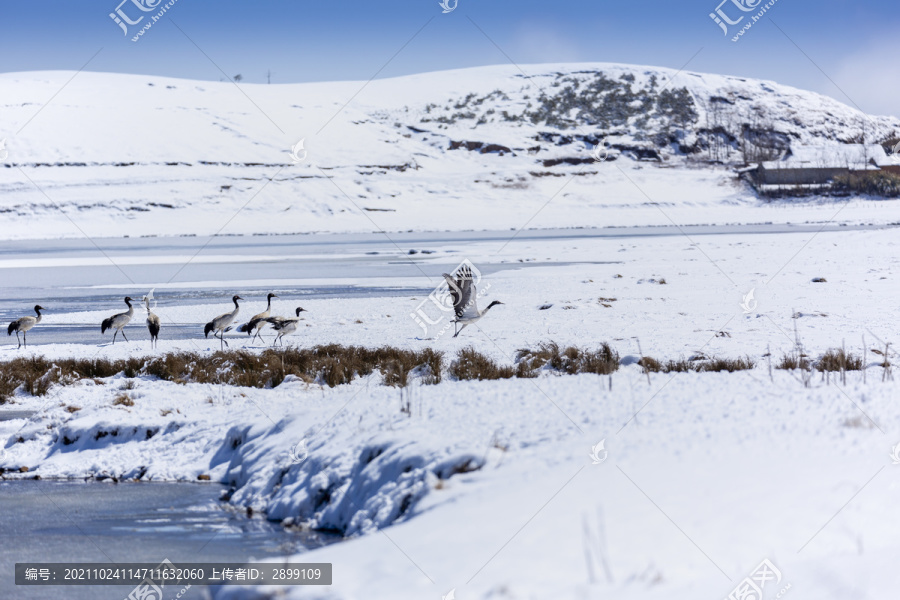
{"x":854,"y":156}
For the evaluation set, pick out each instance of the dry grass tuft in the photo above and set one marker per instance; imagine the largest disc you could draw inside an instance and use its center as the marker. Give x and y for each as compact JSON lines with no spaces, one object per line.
{"x":335,"y":364}
{"x":648,"y":363}
{"x":839,"y":360}
{"x":725,"y":364}
{"x":858,"y":422}
{"x":681,"y":365}
{"x":570,"y":360}
{"x":123,"y":400}
{"x":702,"y":365}
{"x":470,"y":364}
{"x":790,"y":362}
{"x":330,"y":365}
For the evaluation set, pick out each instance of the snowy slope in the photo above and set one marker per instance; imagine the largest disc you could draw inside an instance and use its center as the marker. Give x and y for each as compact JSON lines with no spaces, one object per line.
{"x":140,"y":155}
{"x":746,"y":468}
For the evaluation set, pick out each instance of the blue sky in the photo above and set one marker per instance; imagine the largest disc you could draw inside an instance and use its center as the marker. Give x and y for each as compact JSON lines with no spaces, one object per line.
{"x":840,"y":44}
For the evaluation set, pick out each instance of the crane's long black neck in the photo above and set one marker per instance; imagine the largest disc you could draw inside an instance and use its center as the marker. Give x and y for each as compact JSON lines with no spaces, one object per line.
{"x":492,"y":304}
{"x":37,"y":309}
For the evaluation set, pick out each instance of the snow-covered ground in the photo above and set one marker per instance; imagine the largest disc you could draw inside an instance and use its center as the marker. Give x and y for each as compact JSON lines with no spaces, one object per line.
{"x":599,"y":289}
{"x":715,"y":473}
{"x":488,"y":488}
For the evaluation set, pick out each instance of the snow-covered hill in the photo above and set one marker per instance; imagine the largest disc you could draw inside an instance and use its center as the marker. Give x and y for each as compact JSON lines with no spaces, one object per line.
{"x":141,"y":155}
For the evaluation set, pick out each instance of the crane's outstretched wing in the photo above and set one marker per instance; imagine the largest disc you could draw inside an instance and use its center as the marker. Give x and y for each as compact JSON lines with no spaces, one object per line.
{"x":277,"y":323}
{"x":462,"y":291}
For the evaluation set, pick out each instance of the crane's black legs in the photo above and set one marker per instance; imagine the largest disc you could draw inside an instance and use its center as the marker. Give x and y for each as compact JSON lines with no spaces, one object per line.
{"x":258,"y":334}
{"x":222,"y":341}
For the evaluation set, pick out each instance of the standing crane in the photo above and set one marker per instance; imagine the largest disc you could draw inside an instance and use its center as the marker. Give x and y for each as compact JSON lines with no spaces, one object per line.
{"x":257,"y":322}
{"x":152,"y":322}
{"x":222,"y":323}
{"x":463,"y":293}
{"x":24,"y":324}
{"x":285,"y":325}
{"x":119,"y":321}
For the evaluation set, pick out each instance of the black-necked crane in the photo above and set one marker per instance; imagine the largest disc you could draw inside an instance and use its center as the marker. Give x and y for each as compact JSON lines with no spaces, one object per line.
{"x":285,"y":325}
{"x":257,"y":322}
{"x":24,"y":324}
{"x":152,"y":322}
{"x":222,"y":323}
{"x":119,"y":321}
{"x":463,"y":293}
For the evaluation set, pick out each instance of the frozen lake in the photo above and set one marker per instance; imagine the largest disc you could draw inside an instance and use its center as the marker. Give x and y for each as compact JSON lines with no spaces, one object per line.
{"x":74,"y":275}
{"x":47,"y":521}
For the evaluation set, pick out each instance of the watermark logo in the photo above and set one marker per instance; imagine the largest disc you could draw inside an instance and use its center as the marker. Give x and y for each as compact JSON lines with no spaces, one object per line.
{"x":749,"y":303}
{"x":598,"y":453}
{"x":299,"y":452}
{"x":600,"y":153}
{"x":895,"y":455}
{"x":122,"y":18}
{"x":451,"y":595}
{"x":723,"y":19}
{"x":151,"y":587}
{"x":4,"y":153}
{"x":751,"y":587}
{"x":298,"y":153}
{"x":445,"y":4}
{"x":434,"y":313}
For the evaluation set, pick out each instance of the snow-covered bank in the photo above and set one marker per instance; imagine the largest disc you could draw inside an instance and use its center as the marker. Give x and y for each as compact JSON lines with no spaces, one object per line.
{"x":717,"y":471}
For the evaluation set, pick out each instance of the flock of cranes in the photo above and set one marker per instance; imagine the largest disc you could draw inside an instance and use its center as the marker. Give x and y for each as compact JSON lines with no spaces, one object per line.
{"x":461,"y":287}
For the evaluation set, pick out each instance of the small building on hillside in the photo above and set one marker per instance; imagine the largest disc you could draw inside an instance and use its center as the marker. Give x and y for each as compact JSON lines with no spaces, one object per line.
{"x":818,"y":165}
